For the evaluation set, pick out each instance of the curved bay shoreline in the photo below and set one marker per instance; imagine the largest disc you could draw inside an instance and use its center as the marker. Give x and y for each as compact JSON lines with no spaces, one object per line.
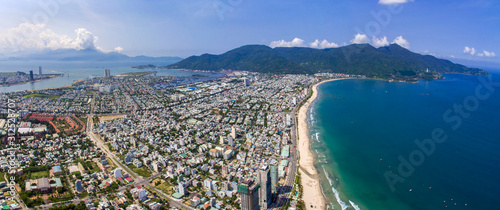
{"x":313,"y":194}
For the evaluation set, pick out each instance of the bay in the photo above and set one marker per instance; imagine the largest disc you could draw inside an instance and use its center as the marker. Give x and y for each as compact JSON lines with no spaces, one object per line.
{"x":363,"y":129}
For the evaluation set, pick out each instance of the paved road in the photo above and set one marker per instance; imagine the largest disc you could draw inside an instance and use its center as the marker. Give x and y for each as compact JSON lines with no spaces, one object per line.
{"x":50,"y":205}
{"x":16,"y":197}
{"x":138,"y":181}
{"x":173,"y":202}
{"x":292,"y":168}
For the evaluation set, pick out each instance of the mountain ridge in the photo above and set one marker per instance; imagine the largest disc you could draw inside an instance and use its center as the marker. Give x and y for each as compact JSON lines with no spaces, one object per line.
{"x":388,"y":62}
{"x":86,"y":55}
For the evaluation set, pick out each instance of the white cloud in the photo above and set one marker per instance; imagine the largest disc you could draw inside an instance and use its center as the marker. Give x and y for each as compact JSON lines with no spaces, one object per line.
{"x":297,"y":42}
{"x":389,"y":2}
{"x":33,"y":37}
{"x":382,"y":42}
{"x":427,"y":52}
{"x":118,"y":49}
{"x":472,"y":51}
{"x":360,"y":39}
{"x":489,"y":54}
{"x":468,"y":50}
{"x":401,"y":42}
{"x":322,"y":45}
{"x":84,"y":39}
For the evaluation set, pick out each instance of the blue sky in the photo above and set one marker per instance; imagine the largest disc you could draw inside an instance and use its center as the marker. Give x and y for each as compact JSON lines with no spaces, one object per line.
{"x":187,"y":27}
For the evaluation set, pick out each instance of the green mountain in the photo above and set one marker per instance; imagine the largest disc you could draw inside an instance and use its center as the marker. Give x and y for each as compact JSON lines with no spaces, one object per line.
{"x":392,"y":61}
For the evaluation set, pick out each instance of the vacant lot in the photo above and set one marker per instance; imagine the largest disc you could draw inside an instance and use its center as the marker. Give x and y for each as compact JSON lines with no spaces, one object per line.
{"x":39,"y":174}
{"x":103,"y":119}
{"x":36,"y":95}
{"x":142,"y":171}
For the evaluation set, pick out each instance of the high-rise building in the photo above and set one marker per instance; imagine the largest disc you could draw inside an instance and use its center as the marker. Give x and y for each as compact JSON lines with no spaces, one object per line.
{"x":40,"y":70}
{"x":230,"y":141}
{"x":221,"y":140}
{"x":181,"y":190}
{"x":265,"y":194}
{"x":213,"y":201}
{"x":107,"y":73}
{"x":224,"y":170}
{"x":233,"y":132}
{"x":246,"y":81}
{"x":249,"y":191}
{"x":31,"y":75}
{"x":274,"y":178}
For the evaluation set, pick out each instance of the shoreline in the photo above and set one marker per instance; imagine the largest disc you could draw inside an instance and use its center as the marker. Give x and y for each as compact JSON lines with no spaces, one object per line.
{"x":54,"y":88}
{"x":313,"y":194}
{"x":27,"y":82}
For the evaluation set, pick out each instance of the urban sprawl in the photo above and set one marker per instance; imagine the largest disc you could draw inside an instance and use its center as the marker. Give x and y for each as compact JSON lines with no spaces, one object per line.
{"x":148,"y":142}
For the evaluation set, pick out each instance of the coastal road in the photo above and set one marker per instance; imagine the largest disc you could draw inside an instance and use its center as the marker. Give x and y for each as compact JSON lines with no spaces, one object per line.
{"x":292,"y":167}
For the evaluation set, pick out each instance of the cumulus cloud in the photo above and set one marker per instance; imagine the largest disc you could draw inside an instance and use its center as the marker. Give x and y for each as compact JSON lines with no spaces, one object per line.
{"x":38,"y":37}
{"x":297,"y":42}
{"x":489,"y":54}
{"x":389,"y":2}
{"x":382,"y":42}
{"x":401,"y":42}
{"x":360,"y":39}
{"x":472,"y":51}
{"x":84,"y":39}
{"x":322,"y":45}
{"x":469,"y":50}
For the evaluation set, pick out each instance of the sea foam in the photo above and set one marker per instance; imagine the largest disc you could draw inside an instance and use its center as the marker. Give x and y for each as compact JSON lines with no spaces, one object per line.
{"x":356,"y":207}
{"x":342,"y":204}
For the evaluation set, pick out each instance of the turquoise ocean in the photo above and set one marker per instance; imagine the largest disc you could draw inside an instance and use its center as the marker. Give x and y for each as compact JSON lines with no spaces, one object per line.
{"x":367,"y":136}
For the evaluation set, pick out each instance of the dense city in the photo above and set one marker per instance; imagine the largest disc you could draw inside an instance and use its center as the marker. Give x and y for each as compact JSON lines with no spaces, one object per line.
{"x":148,"y":142}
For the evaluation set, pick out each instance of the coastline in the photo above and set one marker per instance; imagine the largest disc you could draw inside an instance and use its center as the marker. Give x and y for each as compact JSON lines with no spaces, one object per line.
{"x":37,"y":80}
{"x":67,"y":86}
{"x":313,"y":194}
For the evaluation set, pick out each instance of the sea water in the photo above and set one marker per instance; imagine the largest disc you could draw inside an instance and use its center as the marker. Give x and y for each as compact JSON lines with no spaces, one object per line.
{"x":365,"y":131}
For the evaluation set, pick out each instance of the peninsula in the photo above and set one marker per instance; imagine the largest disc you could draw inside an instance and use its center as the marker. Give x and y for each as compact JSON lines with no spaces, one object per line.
{"x":391,"y":62}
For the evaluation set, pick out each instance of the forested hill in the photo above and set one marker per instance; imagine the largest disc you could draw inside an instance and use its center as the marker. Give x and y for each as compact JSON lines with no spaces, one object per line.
{"x":392,"y":61}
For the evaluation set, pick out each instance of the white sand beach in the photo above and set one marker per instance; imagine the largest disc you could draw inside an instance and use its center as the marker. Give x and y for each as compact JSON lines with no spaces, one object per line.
{"x":312,"y":195}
